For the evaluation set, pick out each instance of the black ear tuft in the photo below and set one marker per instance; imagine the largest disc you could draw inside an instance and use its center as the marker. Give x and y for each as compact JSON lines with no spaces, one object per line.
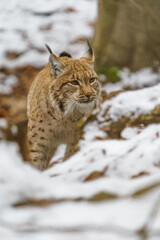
{"x":90,"y":48}
{"x":48,"y":48}
{"x":65,"y":54}
{"x":89,"y":55}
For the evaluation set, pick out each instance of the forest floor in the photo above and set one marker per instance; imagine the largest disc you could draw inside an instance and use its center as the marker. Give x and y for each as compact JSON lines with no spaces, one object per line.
{"x":110,"y":189}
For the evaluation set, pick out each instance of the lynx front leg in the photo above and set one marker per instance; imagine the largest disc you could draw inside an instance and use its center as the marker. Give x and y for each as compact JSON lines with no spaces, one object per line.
{"x":71,"y":145}
{"x":39,"y":146}
{"x":40,"y":155}
{"x":70,"y":150}
{"x":37,"y":154}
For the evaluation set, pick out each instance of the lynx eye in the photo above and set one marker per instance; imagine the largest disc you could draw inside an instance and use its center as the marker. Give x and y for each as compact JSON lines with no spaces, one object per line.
{"x":92,"y":80}
{"x":74,"y":82}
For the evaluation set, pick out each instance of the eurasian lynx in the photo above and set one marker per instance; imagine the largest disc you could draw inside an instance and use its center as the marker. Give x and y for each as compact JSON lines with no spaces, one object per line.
{"x":62,"y":93}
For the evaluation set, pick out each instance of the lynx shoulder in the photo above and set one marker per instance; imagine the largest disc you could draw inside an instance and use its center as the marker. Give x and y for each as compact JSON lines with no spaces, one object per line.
{"x":62,"y":93}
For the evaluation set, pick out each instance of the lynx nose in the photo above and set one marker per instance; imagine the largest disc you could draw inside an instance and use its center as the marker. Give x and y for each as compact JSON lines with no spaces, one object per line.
{"x":88,"y":95}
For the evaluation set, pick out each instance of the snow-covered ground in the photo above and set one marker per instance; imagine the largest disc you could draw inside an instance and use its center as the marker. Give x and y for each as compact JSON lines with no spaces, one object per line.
{"x":110,"y":189}
{"x":7,"y":83}
{"x":25,"y":27}
{"x":131,"y":104}
{"x":140,"y":79}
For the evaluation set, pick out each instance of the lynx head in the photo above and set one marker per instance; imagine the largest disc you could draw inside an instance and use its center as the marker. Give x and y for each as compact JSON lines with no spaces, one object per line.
{"x":74,"y":83}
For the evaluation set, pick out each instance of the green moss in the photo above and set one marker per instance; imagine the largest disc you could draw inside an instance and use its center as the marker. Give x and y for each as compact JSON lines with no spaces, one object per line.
{"x":76,"y":148}
{"x":146,"y":117}
{"x":111,"y":73}
{"x":81,"y":123}
{"x":156,"y":111}
{"x":102,"y":196}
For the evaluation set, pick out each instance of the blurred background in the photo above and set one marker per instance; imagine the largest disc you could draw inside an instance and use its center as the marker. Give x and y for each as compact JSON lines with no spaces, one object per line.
{"x":127,"y":34}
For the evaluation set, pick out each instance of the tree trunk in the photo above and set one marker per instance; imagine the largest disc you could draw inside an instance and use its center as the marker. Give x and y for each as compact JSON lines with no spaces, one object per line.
{"x":127,"y":34}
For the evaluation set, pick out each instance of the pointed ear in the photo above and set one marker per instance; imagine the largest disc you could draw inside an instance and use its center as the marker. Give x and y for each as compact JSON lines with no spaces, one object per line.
{"x":89,"y":55}
{"x":56,"y":66}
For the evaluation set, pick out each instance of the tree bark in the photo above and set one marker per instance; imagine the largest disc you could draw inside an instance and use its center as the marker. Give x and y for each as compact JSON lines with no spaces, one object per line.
{"x":127,"y":34}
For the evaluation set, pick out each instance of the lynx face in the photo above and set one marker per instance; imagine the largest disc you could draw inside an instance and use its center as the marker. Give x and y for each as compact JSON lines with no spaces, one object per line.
{"x":76,"y":88}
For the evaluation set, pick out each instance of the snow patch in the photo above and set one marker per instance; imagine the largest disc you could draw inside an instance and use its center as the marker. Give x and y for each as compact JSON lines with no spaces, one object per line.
{"x":7,"y":83}
{"x":31,"y":24}
{"x":130,"y":104}
{"x":143,"y":78}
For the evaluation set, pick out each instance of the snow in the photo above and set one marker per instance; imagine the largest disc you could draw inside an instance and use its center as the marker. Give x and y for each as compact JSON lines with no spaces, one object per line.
{"x":131,"y":104}
{"x":64,"y":202}
{"x":3,"y":123}
{"x":130,"y":132}
{"x":119,"y":214}
{"x":143,"y":78}
{"x":7,"y":83}
{"x":26,"y":26}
